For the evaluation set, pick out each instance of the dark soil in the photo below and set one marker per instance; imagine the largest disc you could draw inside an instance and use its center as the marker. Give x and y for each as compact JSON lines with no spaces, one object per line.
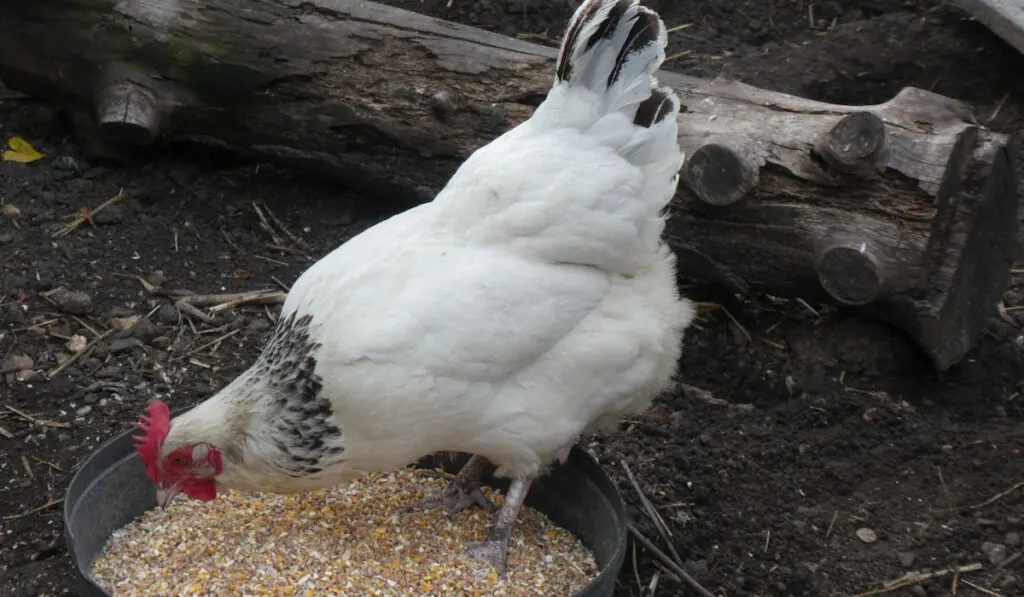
{"x":819,"y":427}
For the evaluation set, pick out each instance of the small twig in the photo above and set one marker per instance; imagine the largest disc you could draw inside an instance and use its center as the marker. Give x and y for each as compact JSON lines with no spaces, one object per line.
{"x":277,"y":281}
{"x":298,"y":241}
{"x":194,"y":312}
{"x":999,"y":107}
{"x":86,"y":215}
{"x":265,"y":224}
{"x":45,"y":506}
{"x":746,"y":334}
{"x":35,"y":421}
{"x":263,"y":297}
{"x":767,"y":540}
{"x":1010,"y":560}
{"x":652,"y":512}
{"x":227,"y":237}
{"x":832,"y":524}
{"x":677,"y":56}
{"x":271,"y":260}
{"x":917,"y":577}
{"x":669,"y":563}
{"x":254,"y":296}
{"x":808,"y":306}
{"x":679,"y":27}
{"x":48,"y":463}
{"x":218,"y":302}
{"x":27,"y":467}
{"x":997,"y":496}
{"x":636,"y":572}
{"x":85,"y":325}
{"x":987,"y":502}
{"x":208,"y":344}
{"x":6,"y":433}
{"x":88,"y":349}
{"x":653,"y":587}
{"x":981,"y":589}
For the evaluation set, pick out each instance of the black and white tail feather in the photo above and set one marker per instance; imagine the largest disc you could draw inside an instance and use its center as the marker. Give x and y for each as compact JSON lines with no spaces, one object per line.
{"x":587,"y":178}
{"x":613,"y":48}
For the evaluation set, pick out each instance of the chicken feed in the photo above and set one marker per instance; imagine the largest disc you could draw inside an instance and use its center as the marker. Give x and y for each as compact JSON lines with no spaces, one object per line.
{"x":355,"y":539}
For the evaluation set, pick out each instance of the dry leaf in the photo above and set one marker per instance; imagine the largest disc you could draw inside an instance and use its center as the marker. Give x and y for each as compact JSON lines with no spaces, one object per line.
{"x":21,"y":151}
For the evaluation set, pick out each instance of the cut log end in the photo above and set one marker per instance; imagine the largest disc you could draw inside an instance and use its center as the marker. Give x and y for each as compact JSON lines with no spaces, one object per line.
{"x":720,"y":174}
{"x":128,"y":114}
{"x":851,"y":275}
{"x":855,"y":144}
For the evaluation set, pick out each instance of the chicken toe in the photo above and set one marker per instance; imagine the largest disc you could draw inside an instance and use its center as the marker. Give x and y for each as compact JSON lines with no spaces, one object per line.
{"x":463,"y":492}
{"x":494,"y":548}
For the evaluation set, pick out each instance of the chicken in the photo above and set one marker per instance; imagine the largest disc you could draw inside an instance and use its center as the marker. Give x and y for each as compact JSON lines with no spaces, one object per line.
{"x":531,"y":302}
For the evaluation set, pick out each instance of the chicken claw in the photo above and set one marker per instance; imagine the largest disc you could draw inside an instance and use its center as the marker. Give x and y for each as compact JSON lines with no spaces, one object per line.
{"x":462,"y":493}
{"x":494,"y":548}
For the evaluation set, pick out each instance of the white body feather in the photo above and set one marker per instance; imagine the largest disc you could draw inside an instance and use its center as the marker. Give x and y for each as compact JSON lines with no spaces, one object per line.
{"x":531,"y":301}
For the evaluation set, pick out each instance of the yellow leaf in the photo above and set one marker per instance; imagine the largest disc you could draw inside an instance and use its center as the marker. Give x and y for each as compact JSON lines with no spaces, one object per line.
{"x":21,"y":151}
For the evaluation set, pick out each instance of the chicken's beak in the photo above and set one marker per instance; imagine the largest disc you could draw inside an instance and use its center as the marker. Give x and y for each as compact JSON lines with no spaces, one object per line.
{"x":165,"y":494}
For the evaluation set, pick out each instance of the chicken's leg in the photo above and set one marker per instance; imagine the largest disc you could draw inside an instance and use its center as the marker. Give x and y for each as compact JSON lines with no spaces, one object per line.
{"x":463,"y":492}
{"x":494,"y":548}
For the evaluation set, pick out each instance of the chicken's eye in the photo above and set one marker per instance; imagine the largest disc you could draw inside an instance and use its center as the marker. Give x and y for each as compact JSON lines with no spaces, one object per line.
{"x":177,"y":459}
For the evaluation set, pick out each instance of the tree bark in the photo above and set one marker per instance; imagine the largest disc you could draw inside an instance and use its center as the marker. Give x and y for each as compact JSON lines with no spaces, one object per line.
{"x":905,"y":210}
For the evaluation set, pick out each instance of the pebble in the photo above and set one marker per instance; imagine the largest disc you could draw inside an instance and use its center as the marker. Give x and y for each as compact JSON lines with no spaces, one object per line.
{"x":109,"y":372}
{"x":995,"y":552}
{"x":145,"y":330}
{"x":119,"y":311}
{"x":161,"y":342}
{"x":18,"y":362}
{"x":167,"y":315}
{"x":27,"y":375}
{"x":101,"y":350}
{"x":696,"y":567}
{"x":6,"y":238}
{"x":259,"y":325}
{"x":140,"y":327}
{"x":15,"y":315}
{"x":1012,"y":539}
{"x":867,"y":535}
{"x":76,"y":344}
{"x":157,"y":278}
{"x":123,"y":323}
{"x":83,"y":411}
{"x":123,"y":344}
{"x":74,"y":302}
{"x":66,"y":162}
{"x":906,"y":558}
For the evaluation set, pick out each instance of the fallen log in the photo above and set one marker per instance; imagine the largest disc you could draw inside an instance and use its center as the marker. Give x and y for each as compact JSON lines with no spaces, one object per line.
{"x":905,"y":210}
{"x":1004,"y":17}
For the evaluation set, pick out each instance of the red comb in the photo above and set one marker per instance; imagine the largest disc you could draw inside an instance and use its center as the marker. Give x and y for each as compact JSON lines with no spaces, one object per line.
{"x":154,"y":429}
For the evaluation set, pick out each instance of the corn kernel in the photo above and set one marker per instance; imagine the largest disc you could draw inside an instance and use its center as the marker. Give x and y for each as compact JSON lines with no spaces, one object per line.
{"x":355,"y":539}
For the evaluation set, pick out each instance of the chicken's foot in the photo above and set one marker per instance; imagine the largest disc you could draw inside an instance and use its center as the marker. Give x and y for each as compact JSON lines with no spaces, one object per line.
{"x":494,"y":548}
{"x":463,"y":492}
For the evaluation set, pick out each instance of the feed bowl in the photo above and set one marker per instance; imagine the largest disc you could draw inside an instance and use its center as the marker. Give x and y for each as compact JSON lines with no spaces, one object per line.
{"x":111,"y":489}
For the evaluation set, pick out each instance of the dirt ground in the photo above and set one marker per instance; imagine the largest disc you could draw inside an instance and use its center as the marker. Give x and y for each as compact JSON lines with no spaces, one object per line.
{"x":765,"y":485}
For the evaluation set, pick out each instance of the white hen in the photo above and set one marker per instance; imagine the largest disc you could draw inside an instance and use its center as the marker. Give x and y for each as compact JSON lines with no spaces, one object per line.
{"x":531,"y":301}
